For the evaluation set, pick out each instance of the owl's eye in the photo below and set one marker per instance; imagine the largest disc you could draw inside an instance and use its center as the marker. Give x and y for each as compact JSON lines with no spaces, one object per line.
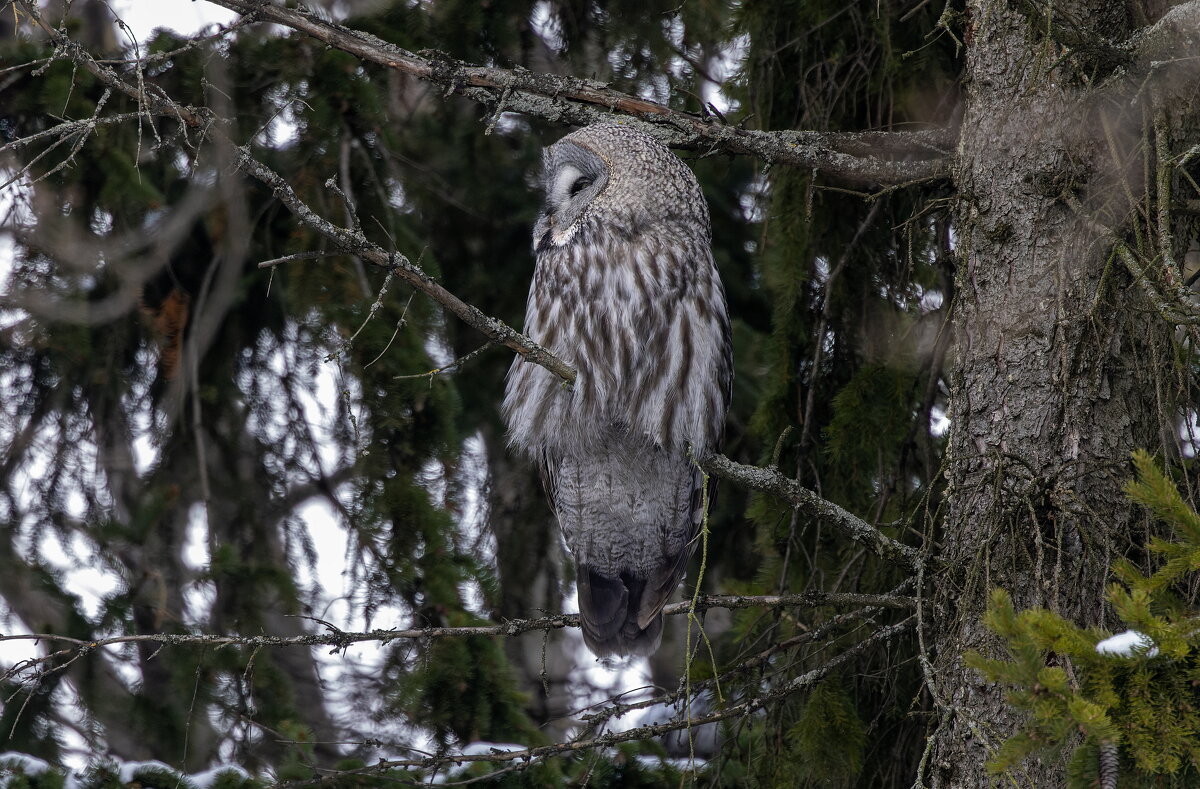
{"x":580,"y":184}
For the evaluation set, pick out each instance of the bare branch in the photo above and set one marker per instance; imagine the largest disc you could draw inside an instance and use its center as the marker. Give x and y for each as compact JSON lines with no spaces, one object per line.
{"x":523,"y":758}
{"x":68,"y":128}
{"x":355,"y":243}
{"x":341,"y":639}
{"x":1171,"y":298}
{"x":273,"y":262}
{"x":769,"y":480}
{"x":824,"y":632}
{"x":452,"y":367}
{"x":872,"y":157}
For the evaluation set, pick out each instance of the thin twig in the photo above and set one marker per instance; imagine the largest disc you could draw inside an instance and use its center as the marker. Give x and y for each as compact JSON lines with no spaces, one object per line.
{"x":298,"y":256}
{"x":740,"y":709}
{"x":451,"y":367}
{"x":348,"y":241}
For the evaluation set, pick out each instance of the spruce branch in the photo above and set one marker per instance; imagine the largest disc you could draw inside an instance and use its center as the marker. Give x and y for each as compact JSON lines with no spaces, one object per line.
{"x":508,"y":760}
{"x":1175,"y":38}
{"x":355,"y":243}
{"x":1092,"y":48}
{"x":1172,"y":40}
{"x":754,"y":661}
{"x":352,"y":241}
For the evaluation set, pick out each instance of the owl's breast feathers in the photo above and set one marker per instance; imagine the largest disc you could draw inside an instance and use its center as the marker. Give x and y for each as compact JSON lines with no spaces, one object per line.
{"x":644,"y":323}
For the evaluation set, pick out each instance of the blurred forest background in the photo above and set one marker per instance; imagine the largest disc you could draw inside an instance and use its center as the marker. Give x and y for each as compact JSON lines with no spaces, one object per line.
{"x":193,"y":444}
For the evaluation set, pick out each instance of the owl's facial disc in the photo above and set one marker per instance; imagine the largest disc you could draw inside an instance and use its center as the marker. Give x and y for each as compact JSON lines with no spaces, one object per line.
{"x":569,"y":181}
{"x":574,"y":176}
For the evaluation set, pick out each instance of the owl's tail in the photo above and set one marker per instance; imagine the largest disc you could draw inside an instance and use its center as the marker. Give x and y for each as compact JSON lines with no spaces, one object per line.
{"x":623,"y":615}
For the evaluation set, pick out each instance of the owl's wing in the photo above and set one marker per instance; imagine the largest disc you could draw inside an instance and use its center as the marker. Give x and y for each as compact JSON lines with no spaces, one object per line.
{"x":661,"y":582}
{"x":621,"y":609}
{"x":608,"y":614}
{"x":548,"y":471}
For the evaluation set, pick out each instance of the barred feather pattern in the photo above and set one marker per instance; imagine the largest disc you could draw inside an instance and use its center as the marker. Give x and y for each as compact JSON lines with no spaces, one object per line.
{"x":626,"y":291}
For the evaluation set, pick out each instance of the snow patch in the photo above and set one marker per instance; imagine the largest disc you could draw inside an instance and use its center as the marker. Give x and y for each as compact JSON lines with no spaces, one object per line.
{"x":1131,"y":643}
{"x":130,"y":769}
{"x":209,"y":777}
{"x":23,"y":763}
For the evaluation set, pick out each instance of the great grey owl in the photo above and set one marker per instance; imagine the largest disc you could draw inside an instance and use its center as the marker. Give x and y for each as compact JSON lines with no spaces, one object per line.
{"x":626,"y":291}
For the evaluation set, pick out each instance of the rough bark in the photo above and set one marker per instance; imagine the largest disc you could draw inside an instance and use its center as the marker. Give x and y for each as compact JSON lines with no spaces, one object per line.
{"x":1053,"y":384}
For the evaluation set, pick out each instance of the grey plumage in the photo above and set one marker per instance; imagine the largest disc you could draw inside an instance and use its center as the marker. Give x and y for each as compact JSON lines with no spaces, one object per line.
{"x":626,"y":291}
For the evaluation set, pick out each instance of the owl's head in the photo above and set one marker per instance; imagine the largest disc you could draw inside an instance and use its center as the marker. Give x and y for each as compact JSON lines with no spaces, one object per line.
{"x":614,"y":178}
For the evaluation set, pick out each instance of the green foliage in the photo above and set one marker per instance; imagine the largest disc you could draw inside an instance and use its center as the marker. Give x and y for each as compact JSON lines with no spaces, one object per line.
{"x":1148,"y":704}
{"x":840,"y":368}
{"x":827,"y":743}
{"x":17,"y":773}
{"x":822,"y":293}
{"x":871,"y":415}
{"x":463,"y":688}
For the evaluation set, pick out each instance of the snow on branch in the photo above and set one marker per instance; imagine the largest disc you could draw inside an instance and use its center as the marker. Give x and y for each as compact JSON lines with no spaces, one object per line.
{"x":886,"y":158}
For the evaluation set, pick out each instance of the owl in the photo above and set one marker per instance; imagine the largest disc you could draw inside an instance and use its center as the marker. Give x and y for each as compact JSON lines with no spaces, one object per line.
{"x":626,"y":291}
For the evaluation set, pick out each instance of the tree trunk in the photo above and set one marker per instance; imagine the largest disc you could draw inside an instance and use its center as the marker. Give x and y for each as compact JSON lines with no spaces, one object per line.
{"x":529,"y":561}
{"x":1046,"y":402}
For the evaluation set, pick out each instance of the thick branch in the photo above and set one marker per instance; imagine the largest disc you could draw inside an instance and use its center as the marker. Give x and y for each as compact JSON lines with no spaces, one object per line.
{"x":768,"y":480}
{"x":1175,"y":37}
{"x":1093,"y":48}
{"x":872,"y":157}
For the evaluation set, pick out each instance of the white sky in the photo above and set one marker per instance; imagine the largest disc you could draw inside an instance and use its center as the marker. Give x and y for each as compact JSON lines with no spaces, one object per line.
{"x":182,"y":16}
